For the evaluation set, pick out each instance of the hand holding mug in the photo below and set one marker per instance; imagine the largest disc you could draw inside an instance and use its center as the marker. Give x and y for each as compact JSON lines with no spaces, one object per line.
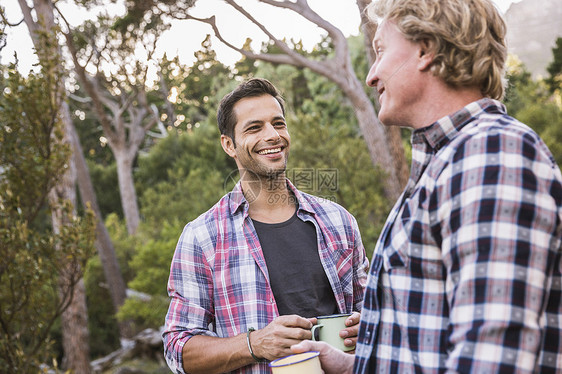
{"x":338,"y":330}
{"x":350,"y":333}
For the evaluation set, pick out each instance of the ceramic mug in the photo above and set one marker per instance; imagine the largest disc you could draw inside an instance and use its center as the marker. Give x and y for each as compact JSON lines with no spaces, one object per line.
{"x":301,"y":363}
{"x":329,"y":328}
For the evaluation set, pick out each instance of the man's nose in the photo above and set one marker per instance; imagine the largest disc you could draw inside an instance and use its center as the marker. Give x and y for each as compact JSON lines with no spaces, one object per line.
{"x":372,"y":77}
{"x":270,"y":132}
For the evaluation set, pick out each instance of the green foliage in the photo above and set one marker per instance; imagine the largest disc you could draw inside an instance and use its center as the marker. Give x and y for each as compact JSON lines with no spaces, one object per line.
{"x":546,"y":119}
{"x":325,"y":141}
{"x":38,"y":268}
{"x":106,"y":186}
{"x":195,"y":89}
{"x":534,"y":104}
{"x":102,"y":320}
{"x":554,"y":69}
{"x":182,"y":177}
{"x":150,"y":310}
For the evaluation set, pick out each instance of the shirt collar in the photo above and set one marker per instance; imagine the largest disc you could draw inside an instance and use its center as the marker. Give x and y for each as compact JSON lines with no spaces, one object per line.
{"x":238,"y":200}
{"x":444,"y":130}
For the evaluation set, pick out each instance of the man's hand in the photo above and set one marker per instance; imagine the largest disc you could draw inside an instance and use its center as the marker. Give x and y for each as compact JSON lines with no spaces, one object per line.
{"x":333,"y":360}
{"x":349,"y":334}
{"x":275,"y":340}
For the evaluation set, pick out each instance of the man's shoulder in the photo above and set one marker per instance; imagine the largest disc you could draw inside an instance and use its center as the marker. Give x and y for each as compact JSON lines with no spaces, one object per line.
{"x":326,"y":207}
{"x":324,"y":202}
{"x":207,"y":221}
{"x":510,"y":135}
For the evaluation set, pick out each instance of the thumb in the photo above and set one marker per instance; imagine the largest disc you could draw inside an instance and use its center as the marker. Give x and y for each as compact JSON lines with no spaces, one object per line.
{"x":304,"y":346}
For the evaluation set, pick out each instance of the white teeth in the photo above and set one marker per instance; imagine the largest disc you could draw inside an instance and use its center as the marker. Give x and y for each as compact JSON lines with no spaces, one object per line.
{"x":268,"y":151}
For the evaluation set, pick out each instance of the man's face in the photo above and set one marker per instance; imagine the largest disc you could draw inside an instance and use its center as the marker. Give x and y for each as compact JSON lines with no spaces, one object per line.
{"x":262,"y":139}
{"x":395,"y":75}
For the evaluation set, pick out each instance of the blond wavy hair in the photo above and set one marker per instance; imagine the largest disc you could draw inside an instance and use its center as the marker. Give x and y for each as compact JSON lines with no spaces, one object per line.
{"x":467,"y":37}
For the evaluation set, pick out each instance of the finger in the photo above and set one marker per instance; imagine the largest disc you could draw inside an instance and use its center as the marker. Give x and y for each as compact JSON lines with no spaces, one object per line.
{"x":295,"y":321}
{"x":353,"y":319}
{"x":304,"y":346}
{"x":349,"y":332}
{"x":350,"y":342}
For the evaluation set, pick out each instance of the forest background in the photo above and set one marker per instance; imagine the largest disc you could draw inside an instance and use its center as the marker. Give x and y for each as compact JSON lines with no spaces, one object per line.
{"x":102,"y":164}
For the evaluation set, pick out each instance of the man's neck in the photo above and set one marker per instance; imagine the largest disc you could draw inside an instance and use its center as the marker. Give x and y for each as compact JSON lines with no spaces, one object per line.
{"x":443,"y":100}
{"x":270,"y":199}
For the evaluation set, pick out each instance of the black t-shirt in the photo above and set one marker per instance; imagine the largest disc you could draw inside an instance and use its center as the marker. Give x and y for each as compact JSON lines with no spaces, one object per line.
{"x":298,"y":280}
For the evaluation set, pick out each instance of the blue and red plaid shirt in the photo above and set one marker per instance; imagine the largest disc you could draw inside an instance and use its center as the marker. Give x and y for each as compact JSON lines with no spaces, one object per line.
{"x":466,"y":275}
{"x":219,"y":280}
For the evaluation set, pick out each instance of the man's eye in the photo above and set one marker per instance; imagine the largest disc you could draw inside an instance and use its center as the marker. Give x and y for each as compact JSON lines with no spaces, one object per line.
{"x":280,"y":124}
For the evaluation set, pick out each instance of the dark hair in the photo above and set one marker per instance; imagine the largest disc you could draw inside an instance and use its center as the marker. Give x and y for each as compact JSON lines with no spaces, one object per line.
{"x":251,"y":88}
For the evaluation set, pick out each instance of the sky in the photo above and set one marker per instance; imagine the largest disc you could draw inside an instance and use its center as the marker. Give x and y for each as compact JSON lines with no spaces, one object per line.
{"x":185,"y":37}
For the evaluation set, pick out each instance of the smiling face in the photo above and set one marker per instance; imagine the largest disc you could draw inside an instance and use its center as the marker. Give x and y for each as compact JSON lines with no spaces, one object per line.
{"x":261,"y":146}
{"x":396,"y":75}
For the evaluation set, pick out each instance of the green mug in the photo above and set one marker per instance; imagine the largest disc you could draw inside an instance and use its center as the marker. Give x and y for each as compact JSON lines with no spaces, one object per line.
{"x":329,"y":328}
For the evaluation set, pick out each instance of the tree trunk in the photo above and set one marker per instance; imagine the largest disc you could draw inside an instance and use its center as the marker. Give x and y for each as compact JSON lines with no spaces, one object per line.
{"x":374,"y":135}
{"x":124,"y":159}
{"x":392,"y":134}
{"x":106,"y":251}
{"x":75,"y":334}
{"x":384,"y":148}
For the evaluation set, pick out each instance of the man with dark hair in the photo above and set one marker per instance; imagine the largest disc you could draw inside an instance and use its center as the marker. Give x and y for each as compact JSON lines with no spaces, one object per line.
{"x":466,"y":274}
{"x":249,"y":275}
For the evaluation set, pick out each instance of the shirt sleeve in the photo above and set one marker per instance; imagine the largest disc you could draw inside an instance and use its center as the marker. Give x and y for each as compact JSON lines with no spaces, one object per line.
{"x":190,"y":287}
{"x":360,"y":267}
{"x":497,"y":221}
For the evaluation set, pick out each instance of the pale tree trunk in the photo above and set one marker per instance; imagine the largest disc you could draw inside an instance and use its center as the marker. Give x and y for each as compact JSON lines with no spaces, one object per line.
{"x":74,"y":319}
{"x":75,"y":334}
{"x":392,"y":133}
{"x":383,"y":148}
{"x":106,"y":251}
{"x":124,"y":161}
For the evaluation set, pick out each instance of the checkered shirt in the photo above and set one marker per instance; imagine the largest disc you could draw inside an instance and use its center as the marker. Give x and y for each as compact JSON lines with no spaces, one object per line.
{"x":219,"y":280}
{"x":466,"y":275}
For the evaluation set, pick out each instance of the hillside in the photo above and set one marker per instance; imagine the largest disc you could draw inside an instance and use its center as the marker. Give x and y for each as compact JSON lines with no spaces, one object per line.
{"x":533,"y":27}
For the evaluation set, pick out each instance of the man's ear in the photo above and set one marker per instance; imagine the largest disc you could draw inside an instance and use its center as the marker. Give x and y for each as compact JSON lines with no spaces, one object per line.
{"x":426,"y":54}
{"x":228,"y":145}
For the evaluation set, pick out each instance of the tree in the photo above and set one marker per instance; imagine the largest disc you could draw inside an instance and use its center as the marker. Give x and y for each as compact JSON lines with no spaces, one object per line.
{"x":119,"y":100}
{"x":532,"y":103}
{"x":44,"y":19}
{"x":193,"y":89}
{"x":40,"y":268}
{"x":118,"y":86}
{"x":338,"y":68}
{"x":74,"y":329}
{"x":183,"y":175}
{"x":554,"y":69}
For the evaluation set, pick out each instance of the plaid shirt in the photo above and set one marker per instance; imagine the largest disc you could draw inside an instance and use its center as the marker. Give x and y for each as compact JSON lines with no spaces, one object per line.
{"x":219,"y":280}
{"x":466,"y":275}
